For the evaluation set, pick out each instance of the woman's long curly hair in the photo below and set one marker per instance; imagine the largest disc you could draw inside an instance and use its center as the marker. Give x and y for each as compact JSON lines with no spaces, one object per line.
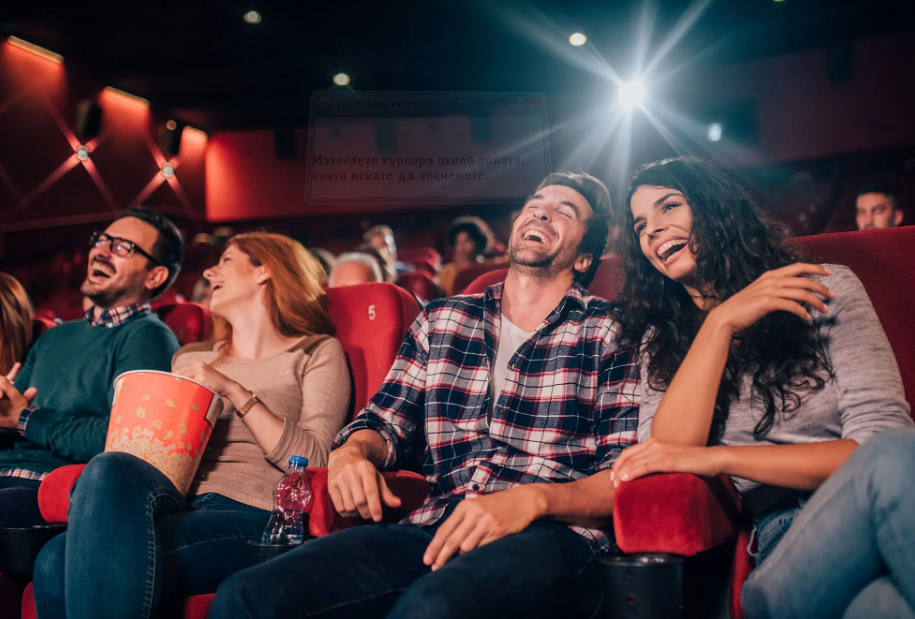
{"x":734,"y":243}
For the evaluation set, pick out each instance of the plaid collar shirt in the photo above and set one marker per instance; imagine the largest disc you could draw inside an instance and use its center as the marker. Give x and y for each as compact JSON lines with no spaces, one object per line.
{"x":115,"y":316}
{"x":568,"y":406}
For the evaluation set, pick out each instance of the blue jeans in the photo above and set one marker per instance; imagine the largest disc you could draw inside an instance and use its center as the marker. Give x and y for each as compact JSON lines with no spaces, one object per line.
{"x":851,"y":550}
{"x":135,"y":545}
{"x":377,"y":570}
{"x":19,"y":502}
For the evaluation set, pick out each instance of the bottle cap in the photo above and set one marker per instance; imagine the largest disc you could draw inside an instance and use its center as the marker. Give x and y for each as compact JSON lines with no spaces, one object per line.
{"x":298,"y":460}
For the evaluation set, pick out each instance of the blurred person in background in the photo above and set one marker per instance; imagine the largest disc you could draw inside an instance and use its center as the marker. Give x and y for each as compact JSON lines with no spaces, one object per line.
{"x":877,"y":206}
{"x":58,"y":408}
{"x":354,"y":268}
{"x":469,"y":238}
{"x":389,"y":272}
{"x":327,"y":260}
{"x":272,"y":335}
{"x":382,"y":239}
{"x":15,"y":323}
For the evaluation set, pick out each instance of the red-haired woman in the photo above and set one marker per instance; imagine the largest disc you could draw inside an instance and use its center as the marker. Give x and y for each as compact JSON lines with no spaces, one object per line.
{"x":15,"y":323}
{"x":134,"y":544}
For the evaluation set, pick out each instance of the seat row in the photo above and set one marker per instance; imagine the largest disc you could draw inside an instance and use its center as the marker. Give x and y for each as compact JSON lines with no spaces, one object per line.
{"x":678,"y":514}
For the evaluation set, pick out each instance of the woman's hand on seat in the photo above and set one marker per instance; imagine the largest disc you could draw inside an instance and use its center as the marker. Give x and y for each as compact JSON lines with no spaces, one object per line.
{"x":783,"y":289}
{"x":660,"y":456}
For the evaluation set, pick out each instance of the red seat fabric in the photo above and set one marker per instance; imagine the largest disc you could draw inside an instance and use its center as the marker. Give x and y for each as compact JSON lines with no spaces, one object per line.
{"x":466,"y":275}
{"x":190,"y":322}
{"x":486,"y":280}
{"x":608,"y":279}
{"x":420,"y":284}
{"x":170,"y":297}
{"x":421,"y":255}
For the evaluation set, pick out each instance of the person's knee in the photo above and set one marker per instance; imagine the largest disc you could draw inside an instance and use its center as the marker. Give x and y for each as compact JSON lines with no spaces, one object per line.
{"x":756,"y":599}
{"x":110,"y":473}
{"x":230,"y":596}
{"x":421,"y":602}
{"x":886,"y":459}
{"x":49,"y":574}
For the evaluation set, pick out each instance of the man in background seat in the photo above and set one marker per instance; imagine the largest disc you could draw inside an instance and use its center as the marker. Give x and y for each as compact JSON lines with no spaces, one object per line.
{"x":877,"y":206}
{"x":60,"y":399}
{"x":526,"y":402}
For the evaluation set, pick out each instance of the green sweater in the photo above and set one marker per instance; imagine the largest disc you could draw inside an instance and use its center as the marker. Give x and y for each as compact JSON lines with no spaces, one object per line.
{"x":73,"y":366}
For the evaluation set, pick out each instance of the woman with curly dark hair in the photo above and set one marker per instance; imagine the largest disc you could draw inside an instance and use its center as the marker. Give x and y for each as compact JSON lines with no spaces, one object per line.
{"x":762,"y":366}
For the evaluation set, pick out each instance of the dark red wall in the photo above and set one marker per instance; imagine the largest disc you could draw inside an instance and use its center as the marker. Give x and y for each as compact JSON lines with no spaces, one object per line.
{"x":43,"y":183}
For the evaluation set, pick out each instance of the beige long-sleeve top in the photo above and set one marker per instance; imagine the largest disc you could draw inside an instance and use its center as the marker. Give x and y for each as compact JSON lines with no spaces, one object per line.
{"x":307,"y":386}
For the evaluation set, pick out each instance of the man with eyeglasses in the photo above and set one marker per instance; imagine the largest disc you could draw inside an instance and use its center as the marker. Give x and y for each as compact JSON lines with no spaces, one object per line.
{"x":58,"y":402}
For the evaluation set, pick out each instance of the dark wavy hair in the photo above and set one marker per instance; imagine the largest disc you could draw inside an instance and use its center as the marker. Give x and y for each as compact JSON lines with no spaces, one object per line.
{"x":735,"y":243}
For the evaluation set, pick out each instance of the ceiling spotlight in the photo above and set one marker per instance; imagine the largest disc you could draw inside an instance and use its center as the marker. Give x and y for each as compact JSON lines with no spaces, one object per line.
{"x":253,"y":17}
{"x":578,"y":39}
{"x":172,"y":125}
{"x":632,"y":94}
{"x":714,"y":132}
{"x":168,"y":171}
{"x":82,"y":153}
{"x":341,"y":79}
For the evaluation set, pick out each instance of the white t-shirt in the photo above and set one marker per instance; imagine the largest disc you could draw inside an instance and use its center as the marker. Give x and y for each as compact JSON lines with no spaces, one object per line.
{"x":510,"y":339}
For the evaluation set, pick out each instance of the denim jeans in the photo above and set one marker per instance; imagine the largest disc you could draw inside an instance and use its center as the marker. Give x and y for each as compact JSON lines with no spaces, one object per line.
{"x":19,"y":502}
{"x":851,"y":550}
{"x":134,"y":545}
{"x":377,"y":570}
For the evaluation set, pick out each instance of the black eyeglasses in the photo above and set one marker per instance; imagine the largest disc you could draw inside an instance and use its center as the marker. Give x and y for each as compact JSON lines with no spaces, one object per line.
{"x":120,"y":247}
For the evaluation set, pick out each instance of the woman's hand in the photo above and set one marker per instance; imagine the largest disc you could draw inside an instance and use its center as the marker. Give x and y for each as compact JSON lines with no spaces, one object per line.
{"x":660,"y":456}
{"x":783,"y":290}
{"x":219,"y":383}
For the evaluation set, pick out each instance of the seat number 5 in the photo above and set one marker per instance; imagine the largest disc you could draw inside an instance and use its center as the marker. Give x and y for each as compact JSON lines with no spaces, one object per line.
{"x":371,"y":312}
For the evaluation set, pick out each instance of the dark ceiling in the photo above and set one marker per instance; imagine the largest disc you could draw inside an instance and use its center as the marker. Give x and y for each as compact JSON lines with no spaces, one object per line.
{"x":203,"y":63}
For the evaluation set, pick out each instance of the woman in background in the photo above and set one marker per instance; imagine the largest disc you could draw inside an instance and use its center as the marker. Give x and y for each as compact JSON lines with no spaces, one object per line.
{"x":15,"y":324}
{"x":134,"y":546}
{"x":469,"y":238}
{"x":762,"y":366}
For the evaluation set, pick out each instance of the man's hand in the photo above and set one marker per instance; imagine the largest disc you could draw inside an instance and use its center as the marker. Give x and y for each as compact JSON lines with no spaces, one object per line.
{"x":12,"y":403}
{"x":659,"y":456}
{"x":356,"y":487}
{"x":478,"y":521}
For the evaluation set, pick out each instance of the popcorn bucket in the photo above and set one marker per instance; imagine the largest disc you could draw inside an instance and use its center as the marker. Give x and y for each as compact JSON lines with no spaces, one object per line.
{"x":163,"y":419}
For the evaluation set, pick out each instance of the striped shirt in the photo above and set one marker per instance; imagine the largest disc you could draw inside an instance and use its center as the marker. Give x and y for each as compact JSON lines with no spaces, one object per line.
{"x":567,"y":409}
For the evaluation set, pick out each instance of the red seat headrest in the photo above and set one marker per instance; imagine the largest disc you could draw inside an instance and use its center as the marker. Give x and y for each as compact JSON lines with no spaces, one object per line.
{"x":190,"y":322}
{"x":882,"y":261}
{"x":370,"y":322}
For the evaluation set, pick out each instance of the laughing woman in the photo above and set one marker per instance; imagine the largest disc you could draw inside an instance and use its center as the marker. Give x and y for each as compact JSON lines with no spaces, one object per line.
{"x":134,"y":545}
{"x":771,"y":370}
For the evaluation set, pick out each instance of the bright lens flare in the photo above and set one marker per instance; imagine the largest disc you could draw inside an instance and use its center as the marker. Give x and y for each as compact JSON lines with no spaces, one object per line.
{"x":341,"y":79}
{"x":253,"y":17}
{"x":578,"y":39}
{"x":714,"y":132}
{"x":632,"y":94}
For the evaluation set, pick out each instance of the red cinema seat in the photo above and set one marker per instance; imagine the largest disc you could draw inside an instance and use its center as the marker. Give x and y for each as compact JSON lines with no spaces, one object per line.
{"x":371,"y":321}
{"x":189,"y":321}
{"x":466,"y":275}
{"x":170,"y":297}
{"x":420,"y":284}
{"x":424,"y":255}
{"x":486,"y":280}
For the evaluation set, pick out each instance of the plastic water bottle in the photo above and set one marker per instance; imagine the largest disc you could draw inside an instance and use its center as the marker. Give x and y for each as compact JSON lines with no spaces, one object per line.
{"x":292,"y":499}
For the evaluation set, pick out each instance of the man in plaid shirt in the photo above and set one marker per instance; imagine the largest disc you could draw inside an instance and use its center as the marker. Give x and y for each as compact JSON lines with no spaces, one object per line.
{"x":525,"y":403}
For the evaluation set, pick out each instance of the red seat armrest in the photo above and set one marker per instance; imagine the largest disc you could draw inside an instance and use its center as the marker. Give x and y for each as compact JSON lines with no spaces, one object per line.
{"x":323,"y":519}
{"x":54,"y":492}
{"x":677,"y":513}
